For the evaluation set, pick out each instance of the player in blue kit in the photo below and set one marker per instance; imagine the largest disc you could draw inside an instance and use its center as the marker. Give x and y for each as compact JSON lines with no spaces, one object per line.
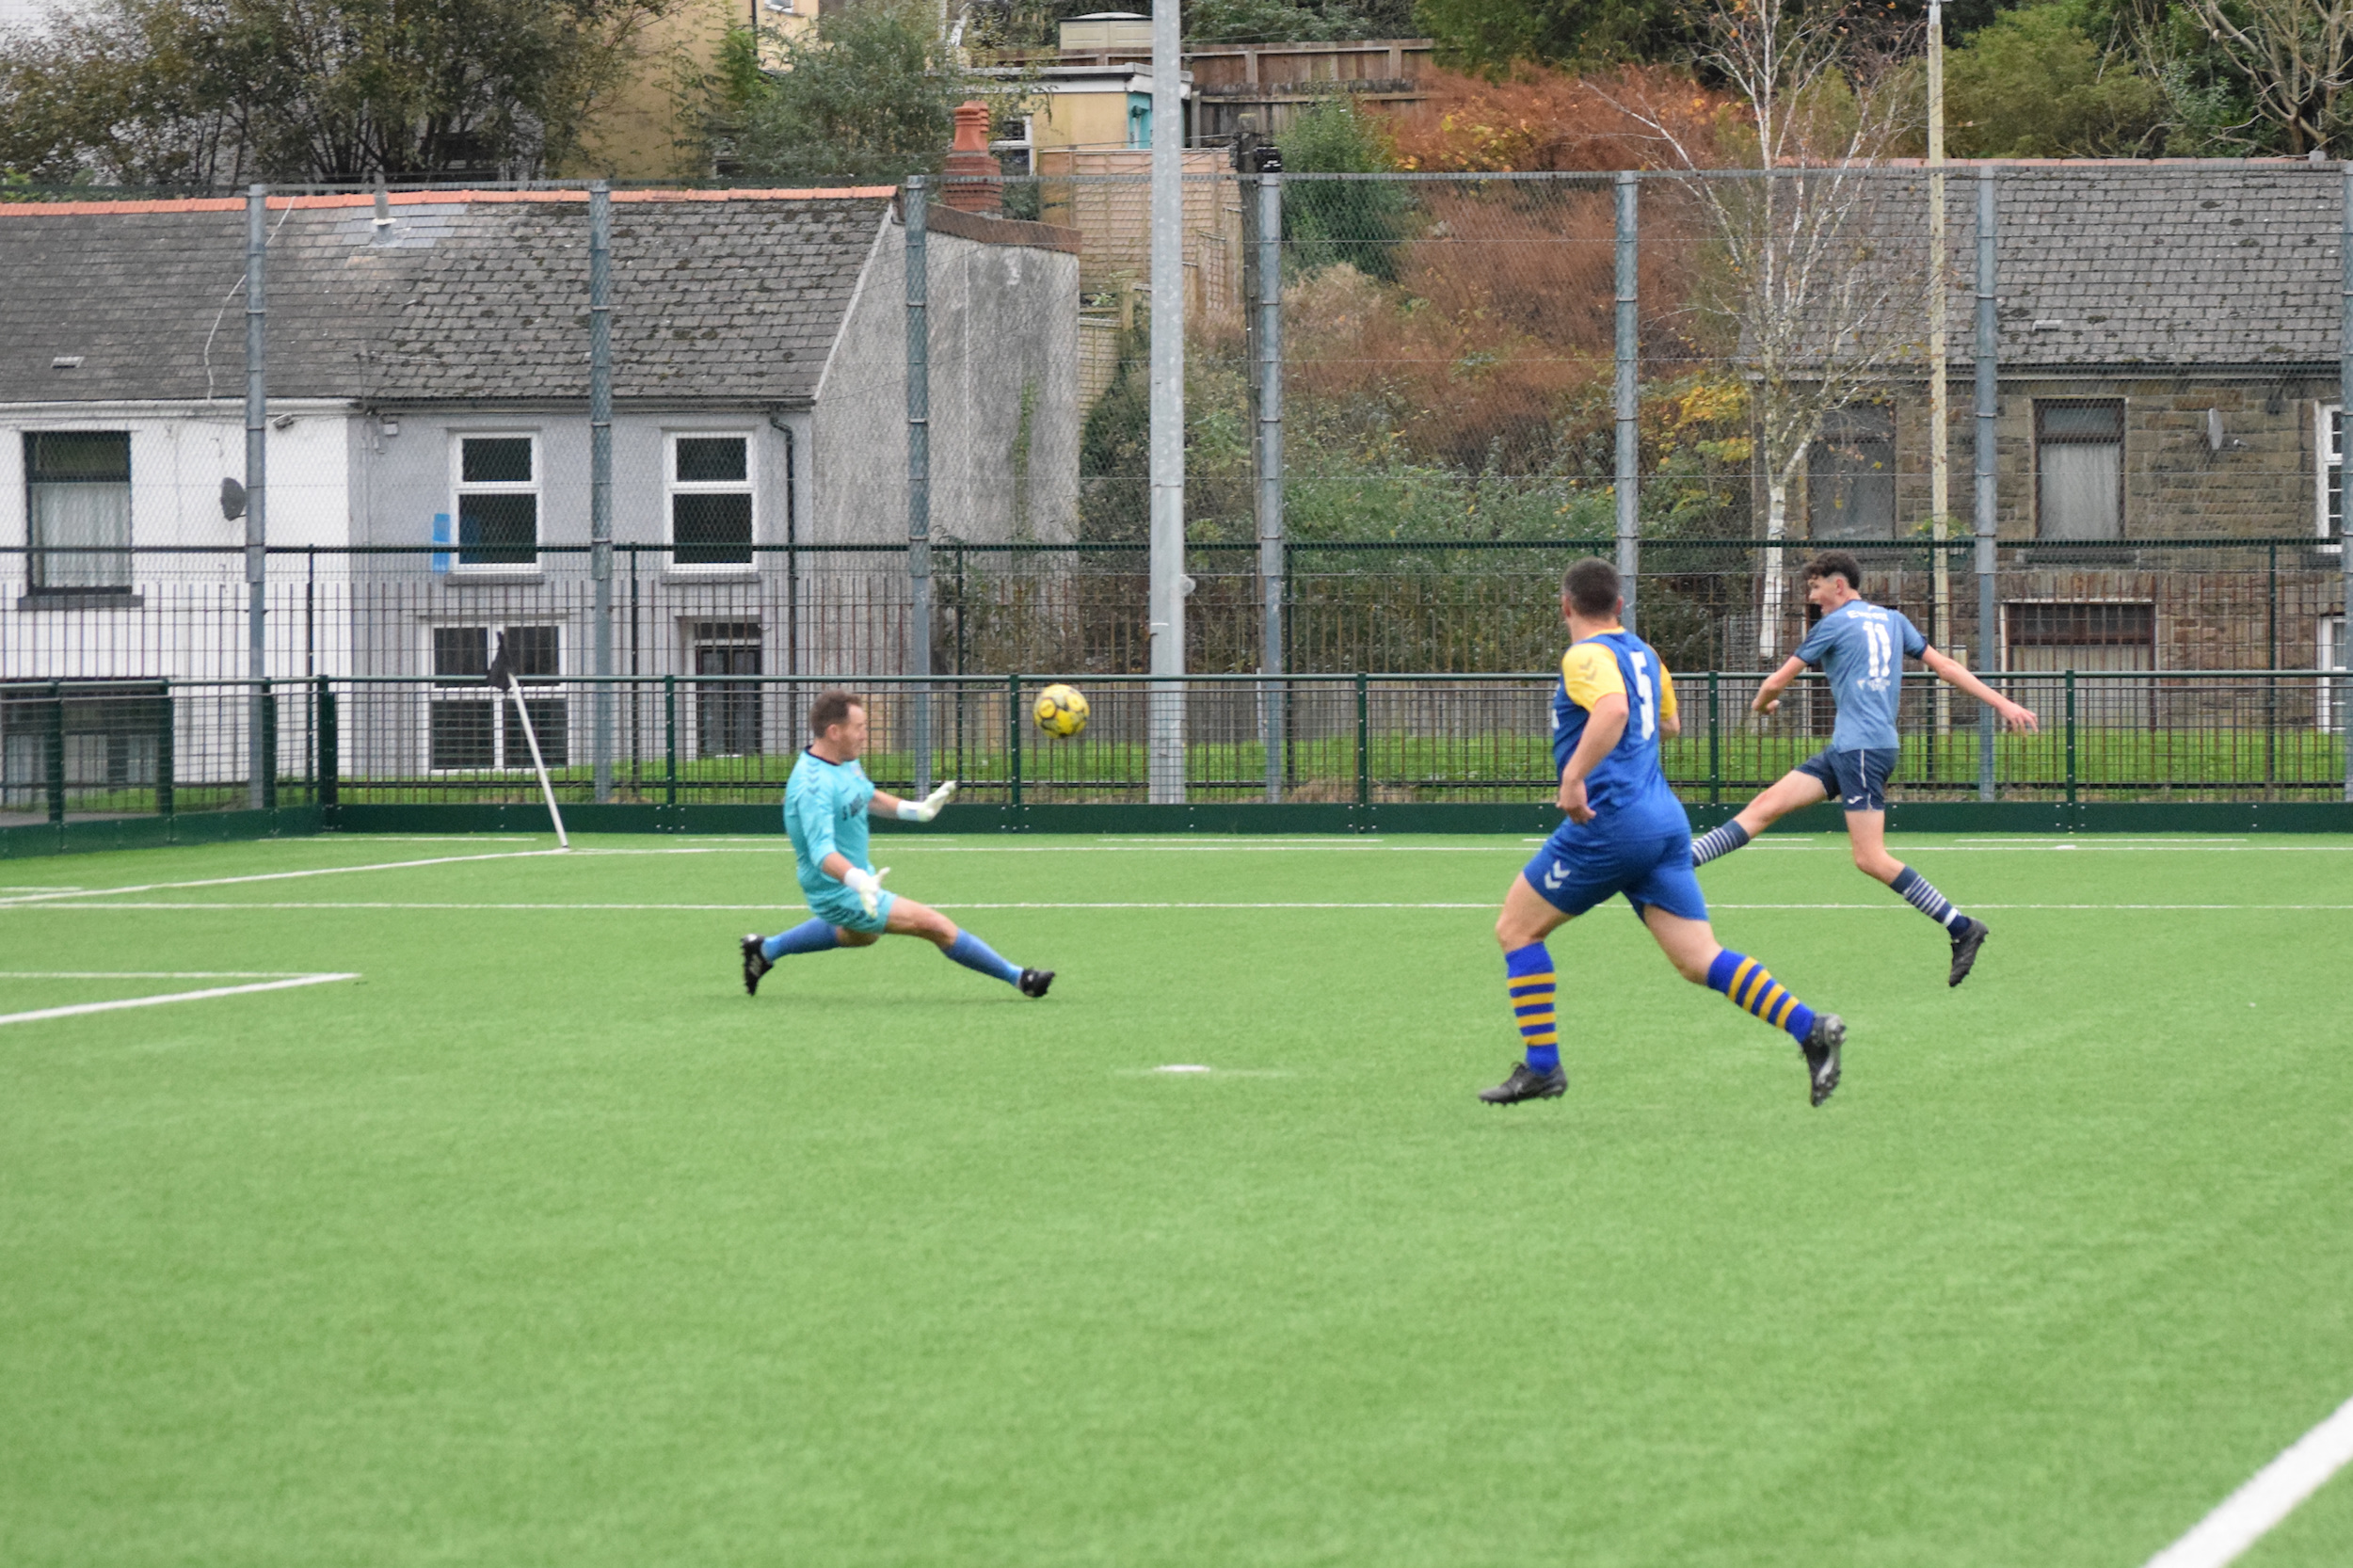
{"x":1862,"y":646}
{"x":1626,"y":833}
{"x":826,"y":801}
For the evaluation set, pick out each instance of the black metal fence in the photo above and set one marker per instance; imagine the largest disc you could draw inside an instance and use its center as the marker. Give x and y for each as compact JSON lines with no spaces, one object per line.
{"x":96,"y":748}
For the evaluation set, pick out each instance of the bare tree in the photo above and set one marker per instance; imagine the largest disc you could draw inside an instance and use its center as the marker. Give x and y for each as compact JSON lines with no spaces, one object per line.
{"x":1827,"y":295}
{"x":2295,"y":54}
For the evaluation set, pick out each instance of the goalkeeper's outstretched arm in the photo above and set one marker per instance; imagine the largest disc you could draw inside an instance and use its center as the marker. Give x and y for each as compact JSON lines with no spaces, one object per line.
{"x":885,"y":805}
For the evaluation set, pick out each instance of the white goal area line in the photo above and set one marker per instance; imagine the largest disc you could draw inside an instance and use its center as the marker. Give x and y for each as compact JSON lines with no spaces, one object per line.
{"x":2248,"y":1513}
{"x":77,"y":1009}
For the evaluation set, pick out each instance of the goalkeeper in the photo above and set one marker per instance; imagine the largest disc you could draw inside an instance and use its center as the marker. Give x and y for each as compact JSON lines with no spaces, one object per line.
{"x":826,"y":802}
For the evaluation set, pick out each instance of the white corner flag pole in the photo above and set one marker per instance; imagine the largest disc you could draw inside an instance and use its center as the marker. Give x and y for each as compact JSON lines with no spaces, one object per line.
{"x":503,"y":682}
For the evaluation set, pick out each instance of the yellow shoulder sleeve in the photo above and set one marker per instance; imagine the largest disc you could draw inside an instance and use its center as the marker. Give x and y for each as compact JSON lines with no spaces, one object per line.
{"x":1589,"y":673}
{"x":1666,"y":692}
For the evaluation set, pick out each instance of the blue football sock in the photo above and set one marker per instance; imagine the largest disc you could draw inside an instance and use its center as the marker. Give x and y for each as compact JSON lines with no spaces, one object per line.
{"x":1913,"y":889}
{"x":808,"y":937}
{"x":1745,"y":982}
{"x":1718,"y":842}
{"x":973,"y":954}
{"x":1528,"y":975}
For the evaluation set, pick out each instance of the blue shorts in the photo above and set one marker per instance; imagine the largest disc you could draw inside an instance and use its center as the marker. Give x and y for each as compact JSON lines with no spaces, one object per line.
{"x":1573,"y":875}
{"x":840,"y":906}
{"x":1856,"y":779}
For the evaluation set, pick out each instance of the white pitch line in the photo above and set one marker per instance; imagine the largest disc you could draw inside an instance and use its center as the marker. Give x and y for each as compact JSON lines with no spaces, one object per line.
{"x":79,"y":1008}
{"x":268,"y":877}
{"x":149,"y":974}
{"x":1885,"y":908}
{"x":2269,"y":1496}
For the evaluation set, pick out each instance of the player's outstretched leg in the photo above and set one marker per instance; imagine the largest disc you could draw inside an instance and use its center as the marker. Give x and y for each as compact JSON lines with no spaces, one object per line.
{"x":1792,"y":791}
{"x":1527,"y":977}
{"x":911,"y":919}
{"x":1867,"y":832}
{"x":1692,"y":948}
{"x":761,"y":954}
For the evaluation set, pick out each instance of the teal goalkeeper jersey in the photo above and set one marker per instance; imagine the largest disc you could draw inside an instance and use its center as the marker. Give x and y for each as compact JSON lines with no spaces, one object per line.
{"x":824,"y":811}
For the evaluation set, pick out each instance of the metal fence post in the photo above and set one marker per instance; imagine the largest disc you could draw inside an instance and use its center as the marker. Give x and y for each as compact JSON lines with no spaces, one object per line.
{"x":57,"y":751}
{"x":920,"y":471}
{"x":2271,"y":662}
{"x":1629,"y":406}
{"x":2344,"y":483}
{"x":1715,"y":739}
{"x":1989,"y":391}
{"x":601,"y":470}
{"x":261,"y":765}
{"x":1165,"y":707}
{"x":669,"y":740}
{"x":1013,"y":736}
{"x":269,"y":745}
{"x":1364,"y":742}
{"x":330,"y":747}
{"x":1272,"y":557}
{"x":2070,"y":745}
{"x":166,"y":765}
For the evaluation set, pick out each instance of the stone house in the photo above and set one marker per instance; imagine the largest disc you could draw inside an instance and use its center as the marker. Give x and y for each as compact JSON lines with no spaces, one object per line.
{"x":429,"y":448}
{"x":2168,"y":390}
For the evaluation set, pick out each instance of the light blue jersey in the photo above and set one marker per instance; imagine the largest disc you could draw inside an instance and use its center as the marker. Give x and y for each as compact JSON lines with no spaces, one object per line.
{"x":1862,"y":648}
{"x":824,"y":811}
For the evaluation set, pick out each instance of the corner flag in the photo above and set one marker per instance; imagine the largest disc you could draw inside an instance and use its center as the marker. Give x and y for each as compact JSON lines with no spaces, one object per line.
{"x":501,"y":678}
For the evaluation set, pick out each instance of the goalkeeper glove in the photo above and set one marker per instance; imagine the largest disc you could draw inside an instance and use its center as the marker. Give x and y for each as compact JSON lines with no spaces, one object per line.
{"x":867,"y":887}
{"x":930,"y":805}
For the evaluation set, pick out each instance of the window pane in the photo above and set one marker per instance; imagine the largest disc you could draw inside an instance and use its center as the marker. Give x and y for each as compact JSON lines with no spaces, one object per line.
{"x":460,"y":651}
{"x":87,"y":456}
{"x":533,"y":652}
{"x":1850,"y":484}
{"x":496,"y":460}
{"x":711,"y":459}
{"x":2079,"y":491}
{"x":498,"y":530}
{"x":91,"y":523}
{"x":461,"y":735}
{"x":547,"y":722}
{"x":2096,"y":422}
{"x":712,"y":530}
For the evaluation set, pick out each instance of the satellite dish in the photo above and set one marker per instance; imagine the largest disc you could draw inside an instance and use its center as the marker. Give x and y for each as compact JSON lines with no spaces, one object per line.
{"x":231,"y":499}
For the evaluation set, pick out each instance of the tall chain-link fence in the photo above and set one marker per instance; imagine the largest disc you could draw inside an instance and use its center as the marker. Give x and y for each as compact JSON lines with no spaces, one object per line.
{"x":824,"y":462}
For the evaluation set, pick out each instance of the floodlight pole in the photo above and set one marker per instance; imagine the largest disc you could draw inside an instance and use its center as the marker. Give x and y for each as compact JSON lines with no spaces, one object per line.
{"x":2345,"y":485}
{"x":919,"y":283}
{"x":600,"y":476}
{"x":1271,"y":568}
{"x":1165,"y":709}
{"x":1940,"y":363}
{"x":1629,"y":404}
{"x":1988,"y":389}
{"x":260,"y":763}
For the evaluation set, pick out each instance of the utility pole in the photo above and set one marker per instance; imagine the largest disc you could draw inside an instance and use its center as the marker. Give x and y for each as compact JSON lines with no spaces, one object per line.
{"x":1165,"y":713}
{"x":1939,"y":362}
{"x":919,"y":281}
{"x":1989,"y":394}
{"x":261,"y":761}
{"x":600,"y":476}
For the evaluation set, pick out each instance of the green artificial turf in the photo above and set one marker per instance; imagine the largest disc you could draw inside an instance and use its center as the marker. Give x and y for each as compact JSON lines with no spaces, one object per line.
{"x":542,"y":1243}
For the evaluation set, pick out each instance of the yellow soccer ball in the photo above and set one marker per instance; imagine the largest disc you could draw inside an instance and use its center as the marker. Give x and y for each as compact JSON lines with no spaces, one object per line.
{"x":1060,"y":710}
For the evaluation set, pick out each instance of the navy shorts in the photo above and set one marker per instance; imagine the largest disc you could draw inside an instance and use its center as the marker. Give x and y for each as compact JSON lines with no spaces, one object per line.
{"x":1574,"y":875}
{"x":1856,"y":779}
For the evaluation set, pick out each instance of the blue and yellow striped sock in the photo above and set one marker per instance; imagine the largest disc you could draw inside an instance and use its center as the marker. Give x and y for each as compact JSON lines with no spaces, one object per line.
{"x":1752,"y":988}
{"x":1528,"y":973}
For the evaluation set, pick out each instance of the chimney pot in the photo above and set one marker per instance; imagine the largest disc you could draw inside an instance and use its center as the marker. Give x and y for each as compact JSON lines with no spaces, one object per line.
{"x":974,"y":182}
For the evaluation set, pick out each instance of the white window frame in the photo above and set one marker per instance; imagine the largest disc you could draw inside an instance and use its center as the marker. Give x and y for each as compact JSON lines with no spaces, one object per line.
{"x":2329,"y":654}
{"x":542,"y":688}
{"x":459,"y":488}
{"x":39,"y":570}
{"x":672,"y":487}
{"x":2328,"y":461}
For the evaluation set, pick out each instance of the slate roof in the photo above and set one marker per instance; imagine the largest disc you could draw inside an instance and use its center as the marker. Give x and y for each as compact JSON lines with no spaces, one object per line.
{"x":718,"y":297}
{"x":2131,"y":263}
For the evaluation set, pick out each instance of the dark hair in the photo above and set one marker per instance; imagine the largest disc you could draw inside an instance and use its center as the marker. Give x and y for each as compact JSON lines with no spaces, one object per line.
{"x":1836,"y":563}
{"x":831,"y":708}
{"x":1592,"y":589}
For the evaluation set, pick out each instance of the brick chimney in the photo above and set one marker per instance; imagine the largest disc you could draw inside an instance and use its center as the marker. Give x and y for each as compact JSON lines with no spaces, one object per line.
{"x":968,"y":156}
